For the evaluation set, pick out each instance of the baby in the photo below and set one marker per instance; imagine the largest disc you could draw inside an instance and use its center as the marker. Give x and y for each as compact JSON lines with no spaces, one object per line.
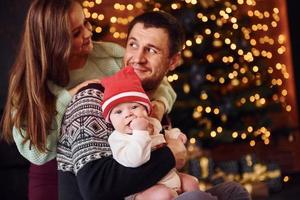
{"x":127,"y":107}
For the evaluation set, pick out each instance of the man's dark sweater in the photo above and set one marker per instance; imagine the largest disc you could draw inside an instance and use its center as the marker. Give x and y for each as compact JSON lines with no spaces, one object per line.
{"x":86,"y":167}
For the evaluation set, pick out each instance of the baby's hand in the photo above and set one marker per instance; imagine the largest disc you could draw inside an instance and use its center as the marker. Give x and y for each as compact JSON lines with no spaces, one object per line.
{"x":139,"y":123}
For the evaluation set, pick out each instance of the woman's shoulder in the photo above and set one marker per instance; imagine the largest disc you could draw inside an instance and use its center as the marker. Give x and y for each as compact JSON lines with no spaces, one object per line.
{"x":104,"y":49}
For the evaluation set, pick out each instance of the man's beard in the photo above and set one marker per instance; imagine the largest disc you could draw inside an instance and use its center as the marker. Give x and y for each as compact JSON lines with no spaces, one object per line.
{"x":151,"y":83}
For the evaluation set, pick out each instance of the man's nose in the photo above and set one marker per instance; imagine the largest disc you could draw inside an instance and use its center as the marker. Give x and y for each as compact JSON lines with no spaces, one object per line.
{"x":139,"y":56}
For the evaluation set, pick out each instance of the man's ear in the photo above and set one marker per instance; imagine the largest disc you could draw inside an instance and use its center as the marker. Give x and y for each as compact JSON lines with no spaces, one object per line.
{"x":174,"y":61}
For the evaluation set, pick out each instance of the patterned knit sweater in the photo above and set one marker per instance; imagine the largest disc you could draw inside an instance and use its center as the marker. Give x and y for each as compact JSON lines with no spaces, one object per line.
{"x":84,"y":132}
{"x":86,"y":167}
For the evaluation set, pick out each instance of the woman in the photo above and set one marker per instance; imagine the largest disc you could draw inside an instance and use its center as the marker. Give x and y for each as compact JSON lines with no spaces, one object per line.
{"x":56,"y":54}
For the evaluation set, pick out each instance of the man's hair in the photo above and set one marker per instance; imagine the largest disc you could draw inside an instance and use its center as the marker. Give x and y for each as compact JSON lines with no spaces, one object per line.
{"x":160,"y":19}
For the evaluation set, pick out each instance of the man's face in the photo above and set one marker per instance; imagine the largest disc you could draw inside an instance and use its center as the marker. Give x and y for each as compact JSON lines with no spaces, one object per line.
{"x":147,"y":51}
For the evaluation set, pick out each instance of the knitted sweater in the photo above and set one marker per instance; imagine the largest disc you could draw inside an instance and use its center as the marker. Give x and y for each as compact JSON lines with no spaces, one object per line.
{"x":105,"y":59}
{"x":86,"y":167}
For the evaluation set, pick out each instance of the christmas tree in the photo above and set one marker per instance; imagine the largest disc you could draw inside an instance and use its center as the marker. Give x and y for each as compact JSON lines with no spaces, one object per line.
{"x":227,"y":87}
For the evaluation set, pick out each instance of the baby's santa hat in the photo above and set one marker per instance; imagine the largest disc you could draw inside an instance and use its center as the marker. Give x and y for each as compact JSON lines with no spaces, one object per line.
{"x":124,"y":86}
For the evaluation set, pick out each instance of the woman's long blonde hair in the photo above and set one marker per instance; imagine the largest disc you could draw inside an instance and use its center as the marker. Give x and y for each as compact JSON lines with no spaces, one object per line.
{"x":42,"y":57}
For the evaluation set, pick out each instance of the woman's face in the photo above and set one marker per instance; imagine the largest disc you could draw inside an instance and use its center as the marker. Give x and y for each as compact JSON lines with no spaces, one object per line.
{"x":81,"y":31}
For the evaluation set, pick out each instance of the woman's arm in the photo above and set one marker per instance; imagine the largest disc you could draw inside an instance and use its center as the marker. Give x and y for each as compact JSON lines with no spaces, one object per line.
{"x":30,"y":152}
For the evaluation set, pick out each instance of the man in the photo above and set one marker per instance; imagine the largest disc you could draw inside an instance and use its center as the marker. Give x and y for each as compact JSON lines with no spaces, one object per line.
{"x":153,"y":48}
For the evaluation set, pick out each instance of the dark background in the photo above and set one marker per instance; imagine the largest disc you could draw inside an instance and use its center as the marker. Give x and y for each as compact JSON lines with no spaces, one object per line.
{"x":14,"y":168}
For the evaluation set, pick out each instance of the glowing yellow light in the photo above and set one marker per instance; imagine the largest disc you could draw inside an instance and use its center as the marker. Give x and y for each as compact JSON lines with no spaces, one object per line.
{"x":199,"y":15}
{"x":245,"y":80}
{"x":216,"y":111}
{"x":266,"y":141}
{"x":91,"y":4}
{"x":129,"y":7}
{"x":204,"y":95}
{"x":276,"y":10}
{"x":174,"y":6}
{"x":94,"y":15}
{"x":219,"y":129}
{"x":113,"y":19}
{"x":243,"y":136}
{"x":231,"y":75}
{"x":192,"y":140}
{"x":101,"y":17}
{"x":208,"y":77}
{"x":250,"y":129}
{"x":233,"y":46}
{"x":213,"y":134}
{"x":213,"y":17}
{"x":235,"y":26}
{"x":199,"y":108}
{"x":204,"y":19}
{"x":286,"y":179}
{"x":266,"y":14}
{"x":207,"y":31}
{"x":217,"y":35}
{"x":221,"y":80}
{"x":85,"y":3}
{"x":196,"y":115}
{"x":255,"y":68}
{"x":284,"y":92}
{"x":252,"y":143}
{"x":186,"y":88}
{"x":116,"y":35}
{"x":227,"y":41}
{"x":288,"y":108}
{"x":240,"y":1}
{"x":138,"y":5}
{"x":123,"y":35}
{"x":274,"y":24}
{"x":188,"y":43}
{"x":210,"y":58}
{"x":198,"y":40}
{"x":122,"y":7}
{"x":87,"y":15}
{"x":117,"y":6}
{"x":187,"y":53}
{"x":270,"y":70}
{"x":224,"y":118}
{"x":194,"y":2}
{"x":98,"y":1}
{"x":253,"y":42}
{"x":98,"y":29}
{"x":207,"y":109}
{"x":235,"y":134}
{"x":240,"y":52}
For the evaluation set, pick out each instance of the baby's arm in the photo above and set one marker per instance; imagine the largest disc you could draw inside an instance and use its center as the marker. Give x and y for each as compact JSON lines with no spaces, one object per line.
{"x":131,"y":150}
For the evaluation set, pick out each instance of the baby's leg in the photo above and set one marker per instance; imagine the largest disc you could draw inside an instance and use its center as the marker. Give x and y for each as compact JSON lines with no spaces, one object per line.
{"x":188,"y":182}
{"x":156,"y":192}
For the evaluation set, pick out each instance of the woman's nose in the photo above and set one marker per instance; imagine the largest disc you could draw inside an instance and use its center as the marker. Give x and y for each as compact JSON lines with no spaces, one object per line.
{"x":87,"y":30}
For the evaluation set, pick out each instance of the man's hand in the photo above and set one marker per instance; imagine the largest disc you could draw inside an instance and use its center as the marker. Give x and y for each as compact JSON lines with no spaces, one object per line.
{"x":158,"y":109}
{"x":179,"y":151}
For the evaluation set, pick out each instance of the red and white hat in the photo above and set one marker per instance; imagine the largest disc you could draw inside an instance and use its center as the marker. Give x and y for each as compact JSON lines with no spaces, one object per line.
{"x":124,"y":86}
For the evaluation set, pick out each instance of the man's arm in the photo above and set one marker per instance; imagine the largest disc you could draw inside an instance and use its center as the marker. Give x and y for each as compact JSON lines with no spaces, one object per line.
{"x":107,"y":179}
{"x":83,"y":149}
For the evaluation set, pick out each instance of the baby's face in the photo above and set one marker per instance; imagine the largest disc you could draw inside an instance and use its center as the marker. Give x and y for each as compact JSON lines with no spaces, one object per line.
{"x":122,"y":115}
